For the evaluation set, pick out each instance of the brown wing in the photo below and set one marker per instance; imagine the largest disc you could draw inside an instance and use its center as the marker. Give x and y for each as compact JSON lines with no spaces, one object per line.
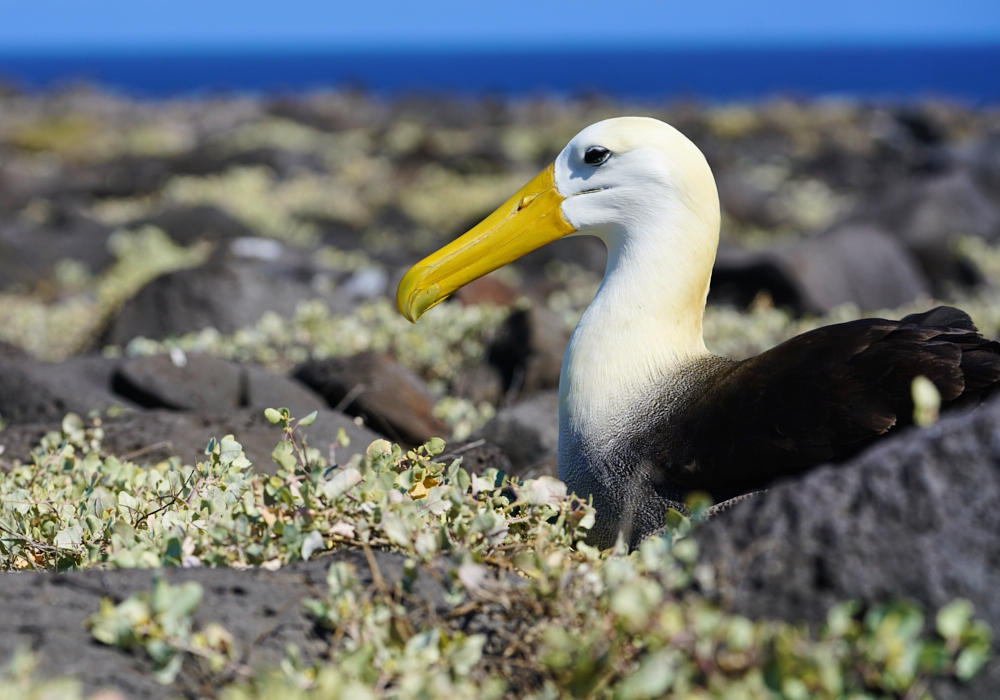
{"x":824,"y":395}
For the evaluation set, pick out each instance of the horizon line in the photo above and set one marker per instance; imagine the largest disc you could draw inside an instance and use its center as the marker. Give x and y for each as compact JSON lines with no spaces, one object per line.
{"x":200,"y":48}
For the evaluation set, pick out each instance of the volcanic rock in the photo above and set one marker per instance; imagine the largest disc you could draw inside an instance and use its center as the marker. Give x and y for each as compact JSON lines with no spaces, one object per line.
{"x":263,"y":389}
{"x":986,"y":165}
{"x":33,"y":391}
{"x":478,"y":383}
{"x":153,"y":436}
{"x":29,"y":252}
{"x":390,"y":398}
{"x":915,"y":517}
{"x":47,"y":612}
{"x":188,"y":225}
{"x":185,"y":383}
{"x":528,"y":433}
{"x":528,"y":351}
{"x":478,"y":456}
{"x":228,"y":292}
{"x":859,"y":264}
{"x":928,"y":217}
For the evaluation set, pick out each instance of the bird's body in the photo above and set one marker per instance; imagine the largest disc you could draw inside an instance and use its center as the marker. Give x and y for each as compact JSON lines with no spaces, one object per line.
{"x":647,"y":414}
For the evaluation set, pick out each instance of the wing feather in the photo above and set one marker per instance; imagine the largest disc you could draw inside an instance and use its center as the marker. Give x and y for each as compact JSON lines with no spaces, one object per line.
{"x":823,"y":396}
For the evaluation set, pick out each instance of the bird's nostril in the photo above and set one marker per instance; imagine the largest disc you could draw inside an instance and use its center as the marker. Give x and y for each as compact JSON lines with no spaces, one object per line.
{"x":525,"y":201}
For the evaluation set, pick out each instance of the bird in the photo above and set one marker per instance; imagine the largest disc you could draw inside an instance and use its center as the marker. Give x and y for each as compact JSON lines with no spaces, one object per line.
{"x":647,"y":415}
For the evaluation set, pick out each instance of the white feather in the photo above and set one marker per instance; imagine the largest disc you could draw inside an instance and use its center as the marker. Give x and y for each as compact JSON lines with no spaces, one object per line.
{"x":654,"y":203}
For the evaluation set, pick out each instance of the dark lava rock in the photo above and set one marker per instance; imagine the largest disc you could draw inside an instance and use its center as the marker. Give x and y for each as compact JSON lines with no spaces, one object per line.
{"x":745,"y":201}
{"x":528,"y":433}
{"x":390,"y":398}
{"x":153,"y":436}
{"x":986,"y":165}
{"x":47,"y":612}
{"x":915,"y":517}
{"x":528,"y":351}
{"x":188,"y":225}
{"x":263,"y":389}
{"x":136,"y":175}
{"x":29,"y":252}
{"x":199,"y":382}
{"x":478,"y":383}
{"x":928,"y":216}
{"x":859,"y":264}
{"x":33,"y":392}
{"x":486,"y":290}
{"x":478,"y":456}
{"x":226,"y":293}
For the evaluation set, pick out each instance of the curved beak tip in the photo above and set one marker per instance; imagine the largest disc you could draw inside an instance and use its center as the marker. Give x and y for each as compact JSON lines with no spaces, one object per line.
{"x":413,"y":299}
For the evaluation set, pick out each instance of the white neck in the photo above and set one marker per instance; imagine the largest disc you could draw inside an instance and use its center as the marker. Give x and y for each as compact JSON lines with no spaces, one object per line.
{"x":645,"y":321}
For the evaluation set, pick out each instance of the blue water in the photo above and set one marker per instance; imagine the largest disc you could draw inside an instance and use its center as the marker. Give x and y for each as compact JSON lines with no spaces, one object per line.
{"x":967,"y":73}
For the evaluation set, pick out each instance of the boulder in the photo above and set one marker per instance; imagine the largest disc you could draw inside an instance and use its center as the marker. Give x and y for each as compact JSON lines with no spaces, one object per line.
{"x":232,"y":290}
{"x":188,"y":225}
{"x":153,"y":436}
{"x":29,"y":252}
{"x":985,"y":161}
{"x":390,"y":398}
{"x":33,"y":391}
{"x":528,"y":351}
{"x":528,"y":433}
{"x":203,"y":382}
{"x":487,"y":290}
{"x":182,"y":382}
{"x":47,"y":613}
{"x":749,"y":203}
{"x":478,"y":456}
{"x":137,"y":175}
{"x":927,"y":216}
{"x":859,"y":264}
{"x":478,"y":383}
{"x":915,"y":517}
{"x":263,"y":389}
{"x":943,"y":207}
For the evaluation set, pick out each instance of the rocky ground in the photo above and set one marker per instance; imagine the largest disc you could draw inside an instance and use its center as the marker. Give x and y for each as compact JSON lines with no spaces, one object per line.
{"x":168,"y":270}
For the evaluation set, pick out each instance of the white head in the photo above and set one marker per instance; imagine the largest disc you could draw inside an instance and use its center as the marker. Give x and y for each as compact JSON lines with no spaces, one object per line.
{"x":635,"y":182}
{"x":630,"y":176}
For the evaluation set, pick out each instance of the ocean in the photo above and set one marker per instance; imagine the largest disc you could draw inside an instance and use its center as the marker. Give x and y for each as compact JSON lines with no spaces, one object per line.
{"x":970,"y":73}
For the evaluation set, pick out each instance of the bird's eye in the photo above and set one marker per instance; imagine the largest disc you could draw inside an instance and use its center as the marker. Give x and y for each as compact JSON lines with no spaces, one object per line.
{"x":596,"y":155}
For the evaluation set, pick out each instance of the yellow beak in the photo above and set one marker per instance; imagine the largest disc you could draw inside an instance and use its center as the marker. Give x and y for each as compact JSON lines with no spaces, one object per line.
{"x":526,"y":221}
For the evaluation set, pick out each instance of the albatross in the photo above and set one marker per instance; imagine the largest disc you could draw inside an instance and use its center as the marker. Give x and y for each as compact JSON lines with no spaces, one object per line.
{"x":647,"y":414}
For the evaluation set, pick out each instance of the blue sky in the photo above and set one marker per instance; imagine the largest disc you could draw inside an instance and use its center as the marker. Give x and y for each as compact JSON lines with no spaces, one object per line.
{"x":333,"y":24}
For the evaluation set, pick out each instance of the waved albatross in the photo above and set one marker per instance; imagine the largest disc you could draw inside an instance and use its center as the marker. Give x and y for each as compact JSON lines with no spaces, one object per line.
{"x":646,"y":413}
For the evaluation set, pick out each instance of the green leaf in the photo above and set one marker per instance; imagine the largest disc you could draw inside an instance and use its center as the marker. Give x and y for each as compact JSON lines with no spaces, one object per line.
{"x":465,"y":657}
{"x":284,"y":456}
{"x":72,"y":423}
{"x":308,"y":420}
{"x":396,"y":530}
{"x":230,"y":450}
{"x":970,"y":661}
{"x":342,"y":438}
{"x":272,"y":415}
{"x":69,"y":537}
{"x":343,"y":481}
{"x":655,"y":675}
{"x":128,"y":501}
{"x":168,"y":674}
{"x":434,"y":446}
{"x":953,"y":618}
